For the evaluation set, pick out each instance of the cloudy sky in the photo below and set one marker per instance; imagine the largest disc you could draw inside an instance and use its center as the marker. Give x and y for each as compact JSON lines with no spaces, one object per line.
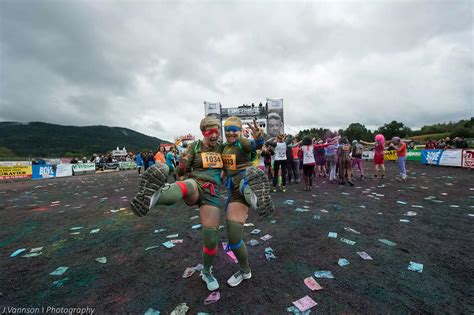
{"x":149,"y":65}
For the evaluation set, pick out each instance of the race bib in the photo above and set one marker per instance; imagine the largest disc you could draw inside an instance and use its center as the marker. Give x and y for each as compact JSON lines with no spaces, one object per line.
{"x":229,"y":162}
{"x":211,"y":160}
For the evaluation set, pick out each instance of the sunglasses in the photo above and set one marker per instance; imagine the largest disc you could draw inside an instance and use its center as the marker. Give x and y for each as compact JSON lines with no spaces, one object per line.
{"x":210,"y":132}
{"x":232,"y":129}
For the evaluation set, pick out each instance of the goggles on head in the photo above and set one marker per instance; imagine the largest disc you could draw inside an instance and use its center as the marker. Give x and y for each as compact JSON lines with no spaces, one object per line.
{"x":210,"y":132}
{"x":232,"y":129}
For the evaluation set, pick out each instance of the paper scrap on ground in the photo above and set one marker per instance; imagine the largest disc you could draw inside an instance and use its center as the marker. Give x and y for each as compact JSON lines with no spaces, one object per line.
{"x":364,"y":255}
{"x":172,"y":235}
{"x":253,"y":242}
{"x":266,"y":237}
{"x":189,"y":272}
{"x":151,"y":247}
{"x":343,"y":262}
{"x":387,"y":242}
{"x":312,"y":284}
{"x":199,"y":267}
{"x":323,"y":274}
{"x":59,"y":271}
{"x":415,"y":267}
{"x":75,"y":233}
{"x":229,"y":253}
{"x":76,"y":228}
{"x":114,"y":210}
{"x":404,"y":220}
{"x":344,"y":240}
{"x":351,"y":230}
{"x":59,"y":283}
{"x":17,"y":252}
{"x":401,"y":202}
{"x":248,"y":224}
{"x":294,"y":310}
{"x":255,"y":231}
{"x":32,"y":254}
{"x":181,"y":309}
{"x":332,"y":234}
{"x":269,"y":255}
{"x":196,"y":226}
{"x":305,"y":303}
{"x":102,"y":260}
{"x":176,"y":241}
{"x":159,"y":230}
{"x":212,"y":298}
{"x":94,"y":231}
{"x":194,"y":217}
{"x":454,"y":206}
{"x":410,"y":214}
{"x":317,"y":217}
{"x":36,"y":249}
{"x":416,"y":206}
{"x":169,"y":244}
{"x":273,"y":221}
{"x":152,"y":311}
{"x":301,"y":210}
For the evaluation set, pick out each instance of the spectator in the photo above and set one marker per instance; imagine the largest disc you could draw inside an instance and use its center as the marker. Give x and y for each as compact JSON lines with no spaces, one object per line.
{"x":160,"y":155}
{"x":74,"y":161}
{"x":150,"y":159}
{"x":139,"y":162}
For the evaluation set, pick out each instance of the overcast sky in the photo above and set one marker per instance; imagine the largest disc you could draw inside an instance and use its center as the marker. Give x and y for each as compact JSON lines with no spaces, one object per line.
{"x":149,"y":65}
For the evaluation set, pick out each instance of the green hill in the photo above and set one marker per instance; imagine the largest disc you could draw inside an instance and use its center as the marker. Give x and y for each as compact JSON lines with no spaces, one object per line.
{"x":37,"y":139}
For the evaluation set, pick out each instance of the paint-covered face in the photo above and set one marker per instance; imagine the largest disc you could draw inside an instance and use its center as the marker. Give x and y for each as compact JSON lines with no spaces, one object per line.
{"x":232,"y":133}
{"x":211,"y":135}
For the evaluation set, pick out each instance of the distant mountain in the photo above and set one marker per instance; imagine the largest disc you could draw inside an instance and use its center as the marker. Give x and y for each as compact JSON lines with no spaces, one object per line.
{"x":37,"y":139}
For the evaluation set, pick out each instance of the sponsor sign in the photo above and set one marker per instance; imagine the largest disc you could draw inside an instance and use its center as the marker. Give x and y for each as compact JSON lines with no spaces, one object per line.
{"x":84,"y":167}
{"x":451,"y":158}
{"x":15,"y":163}
{"x":390,"y":155}
{"x":413,"y":155}
{"x":368,"y":155}
{"x":127,"y":165}
{"x":431,"y":157}
{"x":63,"y":170}
{"x":468,"y":158}
{"x":43,"y":171}
{"x":12,"y":171}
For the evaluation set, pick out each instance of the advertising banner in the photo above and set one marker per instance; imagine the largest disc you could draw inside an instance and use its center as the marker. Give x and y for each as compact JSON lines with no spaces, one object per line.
{"x":390,"y":155}
{"x":468,"y":158}
{"x":82,"y":168}
{"x":127,"y":165}
{"x":413,"y":155}
{"x":43,"y":171}
{"x":368,"y":155}
{"x":431,"y":156}
{"x":63,"y":170}
{"x":12,"y":172}
{"x":451,"y":158}
{"x":111,"y":166}
{"x":15,"y":163}
{"x":276,"y":122}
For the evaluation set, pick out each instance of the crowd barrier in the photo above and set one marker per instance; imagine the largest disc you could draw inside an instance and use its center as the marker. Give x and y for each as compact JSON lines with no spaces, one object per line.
{"x":22,"y":169}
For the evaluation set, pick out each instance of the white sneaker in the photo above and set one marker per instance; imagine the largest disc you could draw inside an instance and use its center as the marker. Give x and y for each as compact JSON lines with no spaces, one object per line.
{"x":238,"y":277}
{"x":209,"y":279}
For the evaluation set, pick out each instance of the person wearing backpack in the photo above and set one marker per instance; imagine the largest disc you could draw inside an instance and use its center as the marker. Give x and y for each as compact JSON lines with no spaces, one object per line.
{"x":357,"y":150}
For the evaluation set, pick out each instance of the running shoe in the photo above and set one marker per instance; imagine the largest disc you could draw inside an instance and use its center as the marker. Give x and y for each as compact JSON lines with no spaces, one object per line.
{"x":238,"y":277}
{"x":350,"y":182}
{"x":283,"y":188}
{"x":210,"y":280}
{"x":274,"y":189}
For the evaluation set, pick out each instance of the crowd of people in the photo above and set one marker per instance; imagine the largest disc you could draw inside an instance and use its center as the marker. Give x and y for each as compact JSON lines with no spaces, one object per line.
{"x":447,"y":143}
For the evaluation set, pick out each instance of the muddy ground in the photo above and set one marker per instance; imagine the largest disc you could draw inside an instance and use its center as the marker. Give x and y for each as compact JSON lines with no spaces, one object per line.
{"x":43,"y":213}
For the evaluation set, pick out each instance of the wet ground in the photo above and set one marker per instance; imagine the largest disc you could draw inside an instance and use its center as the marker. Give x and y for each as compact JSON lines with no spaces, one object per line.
{"x":60,"y":214}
